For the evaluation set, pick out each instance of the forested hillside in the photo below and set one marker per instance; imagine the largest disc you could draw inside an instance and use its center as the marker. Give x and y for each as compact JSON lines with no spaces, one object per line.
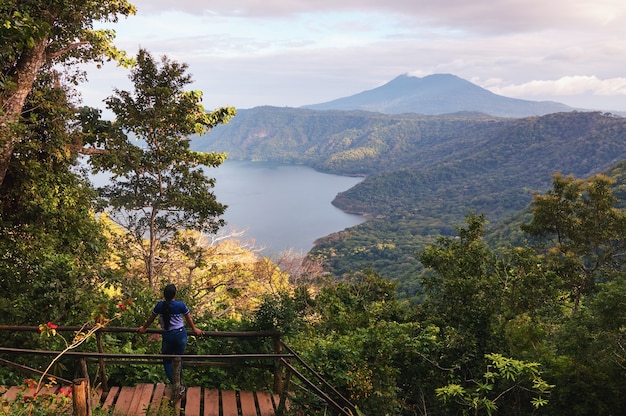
{"x":503,"y":329}
{"x":423,"y":173}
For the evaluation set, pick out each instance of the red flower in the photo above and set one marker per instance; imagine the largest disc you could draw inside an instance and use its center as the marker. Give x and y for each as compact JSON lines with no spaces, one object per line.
{"x":66,"y":391}
{"x":51,"y":325}
{"x":121,"y":306}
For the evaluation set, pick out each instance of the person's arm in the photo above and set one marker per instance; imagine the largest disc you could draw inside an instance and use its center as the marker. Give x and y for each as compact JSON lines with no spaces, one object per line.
{"x":149,"y":321}
{"x":195,"y":330}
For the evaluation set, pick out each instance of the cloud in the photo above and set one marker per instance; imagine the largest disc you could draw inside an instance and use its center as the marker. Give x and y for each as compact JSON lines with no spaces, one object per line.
{"x":297,"y":52}
{"x":478,"y":15}
{"x":564,"y":86}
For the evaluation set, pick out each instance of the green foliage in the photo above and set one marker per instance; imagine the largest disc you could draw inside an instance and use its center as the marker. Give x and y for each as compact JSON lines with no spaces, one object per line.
{"x":279,"y":313}
{"x":27,"y":402}
{"x":36,"y":36}
{"x":62,"y":25}
{"x":157,"y":188}
{"x":493,"y":334}
{"x":53,"y":248}
{"x":580,"y":231}
{"x":503,"y":376}
{"x":367,"y":344}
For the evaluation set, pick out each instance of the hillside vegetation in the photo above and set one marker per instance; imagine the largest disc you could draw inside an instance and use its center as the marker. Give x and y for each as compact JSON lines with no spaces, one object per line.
{"x":423,"y":173}
{"x":512,"y":329}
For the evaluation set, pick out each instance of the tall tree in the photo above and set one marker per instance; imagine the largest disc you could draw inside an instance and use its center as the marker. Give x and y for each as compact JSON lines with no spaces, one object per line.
{"x":464,"y":292}
{"x":52,"y":248}
{"x":158,"y":186}
{"x":38,"y":34}
{"x":580,"y":231}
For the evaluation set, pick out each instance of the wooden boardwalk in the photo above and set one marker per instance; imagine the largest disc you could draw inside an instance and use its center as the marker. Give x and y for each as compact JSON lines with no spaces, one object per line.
{"x":147,"y":399}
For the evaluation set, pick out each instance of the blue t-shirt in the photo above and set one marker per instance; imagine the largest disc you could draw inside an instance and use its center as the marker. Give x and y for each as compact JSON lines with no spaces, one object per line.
{"x":178,"y":310}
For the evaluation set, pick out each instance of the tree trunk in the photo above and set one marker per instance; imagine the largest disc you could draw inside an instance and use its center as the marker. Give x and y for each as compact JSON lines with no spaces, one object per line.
{"x":152,"y":247}
{"x":28,"y":65}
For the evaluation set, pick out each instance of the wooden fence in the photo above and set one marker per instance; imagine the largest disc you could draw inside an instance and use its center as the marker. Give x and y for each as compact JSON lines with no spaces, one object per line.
{"x":283,"y":362}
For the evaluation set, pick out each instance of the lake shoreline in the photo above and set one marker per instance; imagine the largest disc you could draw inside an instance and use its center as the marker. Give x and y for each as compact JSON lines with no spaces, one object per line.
{"x":282,"y":206}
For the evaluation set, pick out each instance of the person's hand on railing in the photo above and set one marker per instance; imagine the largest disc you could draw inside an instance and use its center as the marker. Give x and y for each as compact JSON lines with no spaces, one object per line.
{"x":149,"y":321}
{"x":198,"y":331}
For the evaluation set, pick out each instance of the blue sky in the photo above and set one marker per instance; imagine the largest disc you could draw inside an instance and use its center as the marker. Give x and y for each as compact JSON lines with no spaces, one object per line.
{"x":297,"y":52}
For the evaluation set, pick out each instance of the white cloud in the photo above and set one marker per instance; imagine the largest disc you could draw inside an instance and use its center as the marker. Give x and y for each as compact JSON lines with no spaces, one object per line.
{"x":565,"y":86}
{"x":481,"y":15}
{"x":297,"y":52}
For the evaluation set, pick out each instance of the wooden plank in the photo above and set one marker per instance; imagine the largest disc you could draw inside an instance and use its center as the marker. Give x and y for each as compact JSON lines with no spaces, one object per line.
{"x":193,"y":399}
{"x":124,"y":399}
{"x":248,"y":406}
{"x":46,"y":391}
{"x":211,"y":402}
{"x":157,"y":398}
{"x":111,"y":395}
{"x":96,"y":395}
{"x":145,"y":399}
{"x":229,"y":403}
{"x":266,"y":407}
{"x":276,"y":398}
{"x":12,"y":392}
{"x":141,"y":400}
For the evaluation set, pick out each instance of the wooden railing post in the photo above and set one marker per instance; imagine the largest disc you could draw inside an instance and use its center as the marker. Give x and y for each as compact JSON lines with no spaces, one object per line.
{"x":81,"y":397}
{"x":82,"y":364}
{"x":278,"y":368}
{"x":282,"y":404}
{"x":101,"y":364}
{"x":176,"y":363}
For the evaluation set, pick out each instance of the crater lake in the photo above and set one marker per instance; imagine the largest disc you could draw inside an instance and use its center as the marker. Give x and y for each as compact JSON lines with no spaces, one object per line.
{"x":280,"y":207}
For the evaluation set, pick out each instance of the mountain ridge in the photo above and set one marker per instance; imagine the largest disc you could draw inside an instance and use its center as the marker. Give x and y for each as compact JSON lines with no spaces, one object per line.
{"x":422,"y":172}
{"x":438,"y":94}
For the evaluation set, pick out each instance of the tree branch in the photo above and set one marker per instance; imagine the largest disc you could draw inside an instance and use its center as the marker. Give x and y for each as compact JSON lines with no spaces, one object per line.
{"x":52,"y":56}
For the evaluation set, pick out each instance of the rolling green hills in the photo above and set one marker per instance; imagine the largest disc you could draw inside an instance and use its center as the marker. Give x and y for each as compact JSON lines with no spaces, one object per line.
{"x":424,"y":174}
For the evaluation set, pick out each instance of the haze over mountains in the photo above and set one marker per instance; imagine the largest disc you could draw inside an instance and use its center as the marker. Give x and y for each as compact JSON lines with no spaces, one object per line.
{"x":438,"y":94}
{"x":424,"y":172}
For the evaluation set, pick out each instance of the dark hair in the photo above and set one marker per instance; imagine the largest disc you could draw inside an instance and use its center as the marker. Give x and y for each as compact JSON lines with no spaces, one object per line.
{"x":168,"y":293}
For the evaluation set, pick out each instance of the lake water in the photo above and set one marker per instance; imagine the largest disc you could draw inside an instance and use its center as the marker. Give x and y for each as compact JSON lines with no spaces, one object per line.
{"x":281,"y":207}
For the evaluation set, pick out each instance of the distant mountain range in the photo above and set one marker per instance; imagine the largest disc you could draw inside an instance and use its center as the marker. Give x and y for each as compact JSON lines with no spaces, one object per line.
{"x":424,"y":172}
{"x":438,"y":94}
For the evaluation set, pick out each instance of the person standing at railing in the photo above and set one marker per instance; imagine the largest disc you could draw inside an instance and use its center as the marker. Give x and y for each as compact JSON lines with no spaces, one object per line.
{"x":171,"y":313}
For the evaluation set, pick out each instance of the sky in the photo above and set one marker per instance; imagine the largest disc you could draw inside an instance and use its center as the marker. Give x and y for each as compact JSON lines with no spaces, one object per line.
{"x":290,"y":53}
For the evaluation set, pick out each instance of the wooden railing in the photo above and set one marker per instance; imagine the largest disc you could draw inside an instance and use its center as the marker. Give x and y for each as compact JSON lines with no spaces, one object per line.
{"x":284,"y":362}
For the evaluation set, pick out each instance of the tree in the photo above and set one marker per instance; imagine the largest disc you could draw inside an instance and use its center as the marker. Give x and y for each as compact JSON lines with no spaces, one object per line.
{"x":580,"y":232}
{"x":53,"y":249}
{"x":361,"y":339}
{"x":463,"y":295}
{"x":37,"y":34}
{"x":157,"y":187}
